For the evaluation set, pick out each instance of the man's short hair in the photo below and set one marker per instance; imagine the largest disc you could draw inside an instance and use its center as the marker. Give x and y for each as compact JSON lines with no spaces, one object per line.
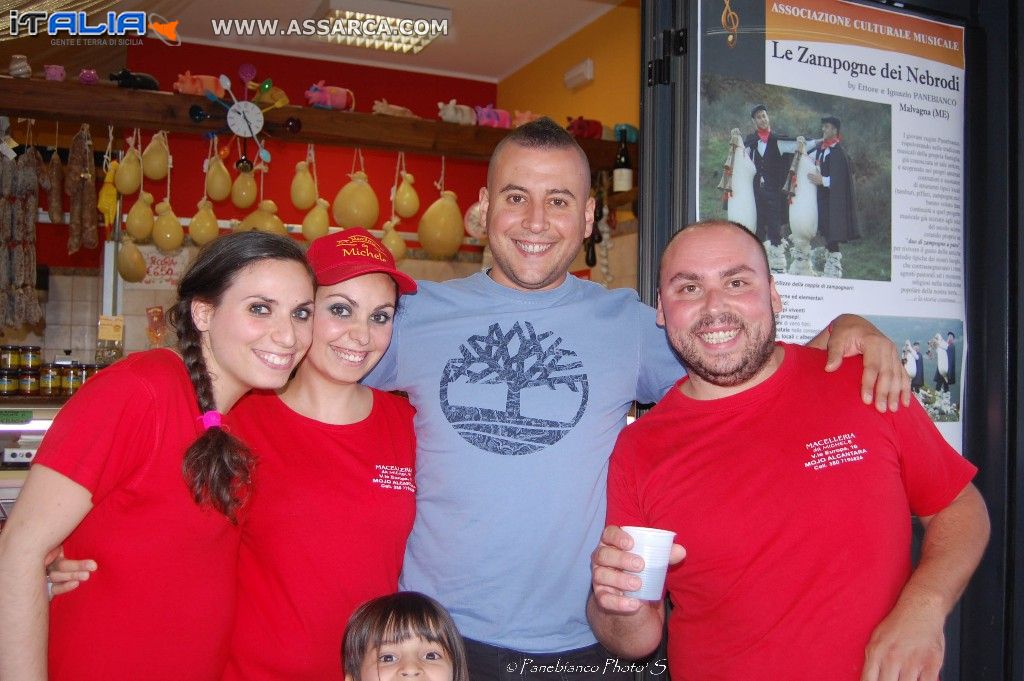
{"x":542,"y":133}
{"x":712,"y":223}
{"x":759,"y":107}
{"x":833,"y":121}
{"x":917,"y":343}
{"x":950,"y":333}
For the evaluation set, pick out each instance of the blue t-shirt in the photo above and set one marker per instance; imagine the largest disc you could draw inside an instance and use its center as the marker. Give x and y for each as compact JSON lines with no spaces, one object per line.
{"x":519,"y":397}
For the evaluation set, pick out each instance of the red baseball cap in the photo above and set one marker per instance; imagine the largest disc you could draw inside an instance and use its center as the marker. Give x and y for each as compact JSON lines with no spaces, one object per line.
{"x":352,"y":253}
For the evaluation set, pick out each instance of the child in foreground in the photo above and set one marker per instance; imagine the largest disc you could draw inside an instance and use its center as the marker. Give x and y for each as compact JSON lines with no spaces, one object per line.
{"x":400,"y":634}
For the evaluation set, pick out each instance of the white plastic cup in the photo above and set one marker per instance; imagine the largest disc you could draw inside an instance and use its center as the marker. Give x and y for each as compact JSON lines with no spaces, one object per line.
{"x":655,"y":547}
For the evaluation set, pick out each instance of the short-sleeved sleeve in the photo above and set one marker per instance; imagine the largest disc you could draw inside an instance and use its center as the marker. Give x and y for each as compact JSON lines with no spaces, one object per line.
{"x":660,"y":367}
{"x":623,"y":496}
{"x":105,"y":433}
{"x":933,"y":472}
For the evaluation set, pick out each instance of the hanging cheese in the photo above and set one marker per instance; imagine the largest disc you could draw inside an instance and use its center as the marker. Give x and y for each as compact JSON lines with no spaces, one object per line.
{"x":441,"y":228}
{"x":168,"y":234}
{"x":356,"y":204}
{"x":203,"y":227}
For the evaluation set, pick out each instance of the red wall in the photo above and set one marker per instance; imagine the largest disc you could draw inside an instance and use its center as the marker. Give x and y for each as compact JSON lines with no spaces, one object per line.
{"x":419,"y":92}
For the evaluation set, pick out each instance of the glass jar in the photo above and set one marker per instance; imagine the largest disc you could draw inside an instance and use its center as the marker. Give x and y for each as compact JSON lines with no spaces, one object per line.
{"x":28,"y":382}
{"x":70,"y":378}
{"x":90,"y":371}
{"x":8,"y":382}
{"x":10,"y":356}
{"x":31,"y":357}
{"x":49,"y":380}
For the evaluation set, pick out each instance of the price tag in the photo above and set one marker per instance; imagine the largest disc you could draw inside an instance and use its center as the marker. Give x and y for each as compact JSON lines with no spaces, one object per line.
{"x":15,"y":416}
{"x":111,"y":328}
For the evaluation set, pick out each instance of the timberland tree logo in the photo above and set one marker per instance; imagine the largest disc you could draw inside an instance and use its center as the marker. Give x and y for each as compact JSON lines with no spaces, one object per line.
{"x":833,"y":451}
{"x":514,"y":392}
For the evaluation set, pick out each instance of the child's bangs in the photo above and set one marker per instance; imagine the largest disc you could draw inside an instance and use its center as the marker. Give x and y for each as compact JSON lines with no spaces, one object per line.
{"x":401,"y":625}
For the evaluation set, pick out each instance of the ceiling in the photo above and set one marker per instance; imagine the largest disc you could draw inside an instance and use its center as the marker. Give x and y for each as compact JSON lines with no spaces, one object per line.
{"x":487,"y":39}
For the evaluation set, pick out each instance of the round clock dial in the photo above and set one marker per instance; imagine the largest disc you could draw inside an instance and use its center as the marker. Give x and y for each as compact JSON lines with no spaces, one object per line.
{"x":245,"y":119}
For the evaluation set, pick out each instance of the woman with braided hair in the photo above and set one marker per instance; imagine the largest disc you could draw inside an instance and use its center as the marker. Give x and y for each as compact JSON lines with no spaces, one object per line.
{"x":138,"y":473}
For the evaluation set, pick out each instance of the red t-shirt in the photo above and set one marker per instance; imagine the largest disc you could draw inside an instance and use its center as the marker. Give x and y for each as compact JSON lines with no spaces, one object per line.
{"x":323,"y":532}
{"x":793,"y":500}
{"x":160,"y":605}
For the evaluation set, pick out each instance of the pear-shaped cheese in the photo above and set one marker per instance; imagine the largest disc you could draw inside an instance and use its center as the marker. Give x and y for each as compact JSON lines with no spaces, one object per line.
{"x":168,"y":234}
{"x":356,"y":204}
{"x":317,"y":221}
{"x":203,"y":228}
{"x":128,"y":177}
{"x":303,"y":188}
{"x":155,"y":159}
{"x":140,"y":218}
{"x":407,"y":201}
{"x":130,"y":263}
{"x":218,"y":180}
{"x":441,"y":227}
{"x":243,"y":191}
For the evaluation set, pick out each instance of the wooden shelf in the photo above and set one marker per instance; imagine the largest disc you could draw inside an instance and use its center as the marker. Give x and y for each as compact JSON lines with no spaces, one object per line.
{"x":105,"y":104}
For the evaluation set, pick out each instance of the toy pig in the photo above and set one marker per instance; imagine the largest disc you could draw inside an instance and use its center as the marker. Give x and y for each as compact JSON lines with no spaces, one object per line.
{"x":456,"y":113}
{"x":54,"y":72}
{"x":382,"y":107}
{"x":585,"y":128}
{"x":198,"y":85}
{"x":20,"y":67}
{"x":490,"y":117}
{"x":330,"y":97}
{"x":523,"y":117}
{"x":632,"y":134}
{"x":88,"y":77}
{"x":134,"y":81}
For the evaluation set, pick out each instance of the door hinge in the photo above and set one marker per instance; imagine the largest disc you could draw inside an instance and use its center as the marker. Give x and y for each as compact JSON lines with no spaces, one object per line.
{"x":673,"y":44}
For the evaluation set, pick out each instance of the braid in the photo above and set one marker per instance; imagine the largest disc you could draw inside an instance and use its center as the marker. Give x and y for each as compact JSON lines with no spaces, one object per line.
{"x":190,"y":345}
{"x":217,"y":466}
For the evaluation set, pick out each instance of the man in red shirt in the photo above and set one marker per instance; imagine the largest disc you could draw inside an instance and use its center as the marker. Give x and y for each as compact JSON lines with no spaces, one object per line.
{"x":792,"y":499}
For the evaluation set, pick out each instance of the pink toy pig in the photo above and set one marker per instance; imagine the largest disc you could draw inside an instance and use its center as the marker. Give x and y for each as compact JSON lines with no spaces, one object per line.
{"x":330,"y":97}
{"x":585,"y":128}
{"x":54,"y":72}
{"x":490,"y":117}
{"x":198,"y":85}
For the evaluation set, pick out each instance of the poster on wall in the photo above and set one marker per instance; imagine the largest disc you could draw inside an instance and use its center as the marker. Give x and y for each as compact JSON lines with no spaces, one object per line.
{"x":835,"y":132}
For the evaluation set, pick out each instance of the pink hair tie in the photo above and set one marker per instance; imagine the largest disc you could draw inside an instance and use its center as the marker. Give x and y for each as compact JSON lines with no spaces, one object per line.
{"x":210,"y":419}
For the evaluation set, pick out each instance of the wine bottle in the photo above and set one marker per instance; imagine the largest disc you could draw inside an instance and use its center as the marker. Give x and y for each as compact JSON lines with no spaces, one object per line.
{"x":622,"y":173}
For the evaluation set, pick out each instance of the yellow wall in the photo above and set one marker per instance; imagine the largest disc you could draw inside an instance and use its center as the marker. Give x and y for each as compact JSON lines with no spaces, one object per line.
{"x":613,"y":42}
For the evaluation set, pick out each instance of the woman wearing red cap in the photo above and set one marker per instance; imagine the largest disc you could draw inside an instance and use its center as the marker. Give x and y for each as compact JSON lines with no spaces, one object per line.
{"x":333,"y":496}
